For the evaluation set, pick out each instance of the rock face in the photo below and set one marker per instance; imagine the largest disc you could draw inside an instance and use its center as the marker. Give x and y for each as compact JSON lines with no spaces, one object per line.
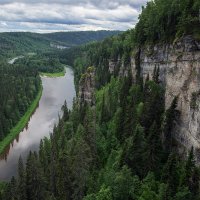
{"x":87,"y":87}
{"x":118,"y":67}
{"x":179,"y":66}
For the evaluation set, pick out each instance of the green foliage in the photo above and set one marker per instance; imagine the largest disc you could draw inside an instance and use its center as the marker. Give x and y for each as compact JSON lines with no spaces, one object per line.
{"x":121,"y":147}
{"x":170,"y":116}
{"x":19,"y":87}
{"x":103,"y":194}
{"x":89,"y":159}
{"x":8,"y":138}
{"x":18,"y":43}
{"x":45,"y":63}
{"x":166,"y":20}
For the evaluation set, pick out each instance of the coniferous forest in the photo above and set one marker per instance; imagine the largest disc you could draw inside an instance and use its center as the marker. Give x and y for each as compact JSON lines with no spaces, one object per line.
{"x":19,"y":87}
{"x":118,"y":146}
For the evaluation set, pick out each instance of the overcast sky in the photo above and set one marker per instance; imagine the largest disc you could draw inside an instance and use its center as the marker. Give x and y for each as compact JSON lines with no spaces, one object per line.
{"x":68,"y":15}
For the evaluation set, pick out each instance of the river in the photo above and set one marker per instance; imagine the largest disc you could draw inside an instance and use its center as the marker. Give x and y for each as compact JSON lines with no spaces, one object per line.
{"x":55,"y":92}
{"x":11,"y":61}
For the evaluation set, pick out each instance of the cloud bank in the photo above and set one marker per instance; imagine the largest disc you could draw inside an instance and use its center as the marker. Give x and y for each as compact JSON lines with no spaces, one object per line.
{"x":67,"y":15}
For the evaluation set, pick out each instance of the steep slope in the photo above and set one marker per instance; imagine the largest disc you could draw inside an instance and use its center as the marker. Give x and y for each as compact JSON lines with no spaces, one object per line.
{"x":80,"y":37}
{"x":118,"y":140}
{"x":179,"y":66}
{"x":169,"y":47}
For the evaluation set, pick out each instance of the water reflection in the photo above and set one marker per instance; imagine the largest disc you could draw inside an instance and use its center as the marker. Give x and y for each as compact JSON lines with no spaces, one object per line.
{"x":55,"y":92}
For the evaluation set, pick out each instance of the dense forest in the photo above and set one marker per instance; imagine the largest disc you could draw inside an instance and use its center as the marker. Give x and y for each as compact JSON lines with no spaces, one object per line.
{"x":14,"y":44}
{"x":20,"y":82}
{"x":19,"y":86}
{"x":46,"y":63}
{"x":116,"y":148}
{"x":17,"y":43}
{"x":111,"y":151}
{"x":168,"y":20}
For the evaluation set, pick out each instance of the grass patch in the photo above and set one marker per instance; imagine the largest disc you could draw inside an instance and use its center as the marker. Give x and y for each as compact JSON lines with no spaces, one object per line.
{"x":53,"y":75}
{"x":21,"y":124}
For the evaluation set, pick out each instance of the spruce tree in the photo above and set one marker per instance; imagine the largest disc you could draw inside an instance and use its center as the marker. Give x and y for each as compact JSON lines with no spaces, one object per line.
{"x":135,"y":152}
{"x":21,"y":182}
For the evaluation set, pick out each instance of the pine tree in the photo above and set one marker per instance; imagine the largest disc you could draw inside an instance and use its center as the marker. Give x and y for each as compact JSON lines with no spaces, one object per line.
{"x":168,"y":124}
{"x":34,"y":178}
{"x":64,"y":177}
{"x":135,"y":154}
{"x":170,"y":174}
{"x":192,"y":173}
{"x":154,"y":147}
{"x":13,"y":189}
{"x":65,"y":112}
{"x":21,"y":183}
{"x":90,"y":130}
{"x":81,"y":156}
{"x":190,"y":165}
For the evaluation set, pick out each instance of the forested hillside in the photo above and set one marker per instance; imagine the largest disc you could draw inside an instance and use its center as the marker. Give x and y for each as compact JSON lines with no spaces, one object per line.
{"x":111,"y":151}
{"x":113,"y":147}
{"x":22,"y":79}
{"x":16,"y":43}
{"x":78,"y":38}
{"x":47,"y":63}
{"x":19,"y":86}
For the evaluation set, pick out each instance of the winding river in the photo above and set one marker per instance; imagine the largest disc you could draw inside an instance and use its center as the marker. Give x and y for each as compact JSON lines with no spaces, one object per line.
{"x":11,"y":61}
{"x":55,"y":92}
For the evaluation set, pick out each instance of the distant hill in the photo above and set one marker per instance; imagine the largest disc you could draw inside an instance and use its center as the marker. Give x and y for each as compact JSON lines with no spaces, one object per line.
{"x":79,"y":38}
{"x":14,"y":43}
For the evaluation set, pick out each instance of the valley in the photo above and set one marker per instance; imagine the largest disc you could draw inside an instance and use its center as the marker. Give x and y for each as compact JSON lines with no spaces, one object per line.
{"x":42,"y":64}
{"x":55,"y":92}
{"x":118,"y":114}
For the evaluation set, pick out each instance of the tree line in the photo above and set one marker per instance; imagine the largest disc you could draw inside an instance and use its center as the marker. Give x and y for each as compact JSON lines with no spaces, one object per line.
{"x":121,"y":148}
{"x":19,"y":87}
{"x":47,"y":63}
{"x":111,"y":151}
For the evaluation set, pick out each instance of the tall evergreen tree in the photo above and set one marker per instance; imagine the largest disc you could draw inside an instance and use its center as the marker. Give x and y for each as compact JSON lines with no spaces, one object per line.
{"x":21,"y":182}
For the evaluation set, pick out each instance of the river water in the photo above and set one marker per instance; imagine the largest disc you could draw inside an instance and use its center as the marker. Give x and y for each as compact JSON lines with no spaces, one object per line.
{"x":11,"y":61}
{"x":55,"y":92}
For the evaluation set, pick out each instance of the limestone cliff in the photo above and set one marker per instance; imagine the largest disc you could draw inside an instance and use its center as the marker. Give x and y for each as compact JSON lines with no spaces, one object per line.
{"x":180,"y":73}
{"x":179,"y":65}
{"x":87,"y":87}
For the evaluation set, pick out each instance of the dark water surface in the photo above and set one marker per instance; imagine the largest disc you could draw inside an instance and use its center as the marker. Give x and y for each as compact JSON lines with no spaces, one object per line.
{"x":55,"y":92}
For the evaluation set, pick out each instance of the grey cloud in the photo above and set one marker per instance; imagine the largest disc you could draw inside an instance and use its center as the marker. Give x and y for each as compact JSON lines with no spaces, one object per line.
{"x":98,"y":3}
{"x":65,"y":15}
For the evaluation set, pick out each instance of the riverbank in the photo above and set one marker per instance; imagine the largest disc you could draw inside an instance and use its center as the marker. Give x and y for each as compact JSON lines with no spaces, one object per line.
{"x":53,"y":75}
{"x":55,"y":92}
{"x":21,"y":124}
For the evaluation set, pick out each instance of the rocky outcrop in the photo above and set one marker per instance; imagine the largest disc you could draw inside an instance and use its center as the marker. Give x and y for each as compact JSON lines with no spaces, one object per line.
{"x":179,"y":69}
{"x":113,"y":65}
{"x":118,"y":67}
{"x":179,"y":65}
{"x":87,"y":87}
